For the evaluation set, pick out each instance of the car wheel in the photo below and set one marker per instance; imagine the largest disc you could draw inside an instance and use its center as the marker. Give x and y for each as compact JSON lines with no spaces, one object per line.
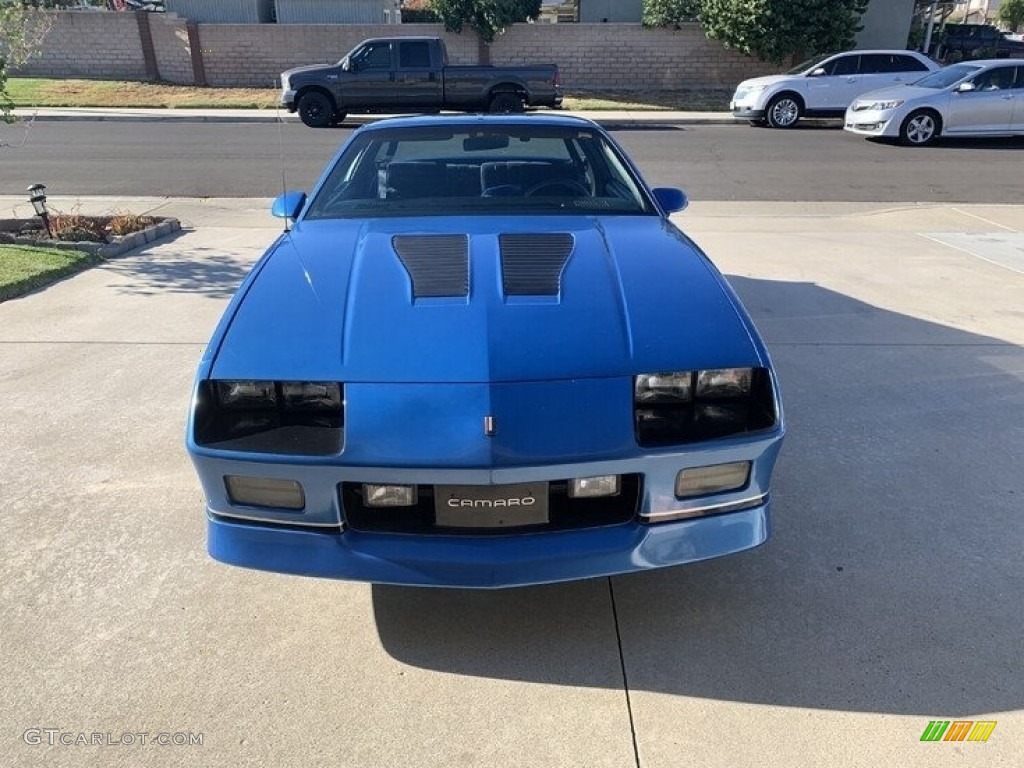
{"x":920,"y":128}
{"x":506,"y":102}
{"x":338,"y":118}
{"x":315,"y":109}
{"x":783,"y":111}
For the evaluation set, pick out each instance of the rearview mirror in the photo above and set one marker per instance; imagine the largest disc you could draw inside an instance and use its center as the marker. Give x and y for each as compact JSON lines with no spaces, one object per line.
{"x":816,"y":72}
{"x":289,"y":205}
{"x":346,"y":65}
{"x":965,"y":87}
{"x":670,"y":198}
{"x":485,"y":142}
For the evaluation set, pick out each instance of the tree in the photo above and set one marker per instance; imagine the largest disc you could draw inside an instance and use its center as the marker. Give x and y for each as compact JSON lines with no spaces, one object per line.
{"x":488,"y":17}
{"x":1011,"y":13}
{"x":669,"y":13}
{"x":776,"y":30}
{"x":22,"y":29}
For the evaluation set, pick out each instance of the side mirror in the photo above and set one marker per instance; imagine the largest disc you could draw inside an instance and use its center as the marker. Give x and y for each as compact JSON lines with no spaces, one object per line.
{"x":289,"y":205}
{"x":670,"y":198}
{"x":965,"y":88}
{"x":346,"y":65}
{"x":819,"y":72}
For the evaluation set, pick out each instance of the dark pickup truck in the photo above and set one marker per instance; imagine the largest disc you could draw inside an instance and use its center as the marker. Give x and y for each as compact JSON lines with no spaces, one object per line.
{"x":412,"y":74}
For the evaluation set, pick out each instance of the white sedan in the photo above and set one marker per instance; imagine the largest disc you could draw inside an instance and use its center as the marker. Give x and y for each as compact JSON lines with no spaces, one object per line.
{"x":977,"y":98}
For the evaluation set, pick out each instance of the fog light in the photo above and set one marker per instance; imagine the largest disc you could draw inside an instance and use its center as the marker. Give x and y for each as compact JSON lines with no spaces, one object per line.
{"x":265,"y":492}
{"x":591,"y":487}
{"x":389,"y":495}
{"x":701,"y":481}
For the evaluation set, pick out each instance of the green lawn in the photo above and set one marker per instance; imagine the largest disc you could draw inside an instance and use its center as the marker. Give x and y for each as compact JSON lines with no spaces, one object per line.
{"x":24,"y":268}
{"x":45,"y":92}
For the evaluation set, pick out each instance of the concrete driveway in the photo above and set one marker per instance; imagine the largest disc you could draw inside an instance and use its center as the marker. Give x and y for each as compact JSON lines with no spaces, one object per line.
{"x":890,"y":594}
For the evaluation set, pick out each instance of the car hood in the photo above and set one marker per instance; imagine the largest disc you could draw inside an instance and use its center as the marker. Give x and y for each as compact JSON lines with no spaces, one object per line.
{"x":335,"y":301}
{"x":308,"y":70}
{"x":766,"y":80}
{"x":898,"y":92}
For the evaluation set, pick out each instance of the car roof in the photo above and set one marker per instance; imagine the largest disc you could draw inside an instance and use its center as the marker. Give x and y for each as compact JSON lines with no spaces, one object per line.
{"x":880,"y":50}
{"x":988,"y":62}
{"x":417,"y":121}
{"x":400,"y":38}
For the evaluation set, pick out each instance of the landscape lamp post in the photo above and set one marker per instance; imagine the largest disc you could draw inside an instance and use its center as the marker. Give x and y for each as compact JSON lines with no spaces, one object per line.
{"x":37,"y":196}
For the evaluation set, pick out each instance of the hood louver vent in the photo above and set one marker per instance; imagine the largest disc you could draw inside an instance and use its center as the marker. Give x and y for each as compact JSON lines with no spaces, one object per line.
{"x":532,"y":264}
{"x":438,"y":265}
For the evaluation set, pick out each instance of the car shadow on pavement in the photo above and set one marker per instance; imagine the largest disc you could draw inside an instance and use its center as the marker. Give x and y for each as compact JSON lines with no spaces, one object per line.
{"x":1010,"y":143}
{"x":890,"y":584}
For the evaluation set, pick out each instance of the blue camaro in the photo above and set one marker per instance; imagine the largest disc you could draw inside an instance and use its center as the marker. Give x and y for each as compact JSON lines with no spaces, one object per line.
{"x":483,"y":357}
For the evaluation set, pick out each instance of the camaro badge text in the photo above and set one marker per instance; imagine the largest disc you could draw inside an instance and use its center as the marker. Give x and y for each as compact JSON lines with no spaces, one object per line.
{"x":525,"y":501}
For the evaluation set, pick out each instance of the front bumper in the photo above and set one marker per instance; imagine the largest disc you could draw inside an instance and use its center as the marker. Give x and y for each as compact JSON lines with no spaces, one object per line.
{"x":287,"y":100}
{"x":318,"y":542}
{"x":748,"y":105}
{"x":871,"y":122}
{"x":747,"y":113}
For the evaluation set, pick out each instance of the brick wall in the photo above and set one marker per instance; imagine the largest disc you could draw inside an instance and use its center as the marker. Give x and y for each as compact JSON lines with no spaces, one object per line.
{"x":627,"y":56}
{"x":81,"y":44}
{"x":622,"y":56}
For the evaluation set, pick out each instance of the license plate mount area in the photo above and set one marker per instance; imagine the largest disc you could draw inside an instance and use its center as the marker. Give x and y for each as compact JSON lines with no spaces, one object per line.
{"x":491,"y":506}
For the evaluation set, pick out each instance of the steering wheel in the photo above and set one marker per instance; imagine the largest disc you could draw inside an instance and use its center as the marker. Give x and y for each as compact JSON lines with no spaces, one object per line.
{"x":571,"y":185}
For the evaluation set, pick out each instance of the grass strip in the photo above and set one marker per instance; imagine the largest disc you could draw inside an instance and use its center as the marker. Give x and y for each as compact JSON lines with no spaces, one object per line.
{"x":24,"y":268}
{"x":47,"y":92}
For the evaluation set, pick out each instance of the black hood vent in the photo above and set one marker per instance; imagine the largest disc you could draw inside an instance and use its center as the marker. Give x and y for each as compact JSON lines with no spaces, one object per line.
{"x":532,"y":264}
{"x":437,"y":264}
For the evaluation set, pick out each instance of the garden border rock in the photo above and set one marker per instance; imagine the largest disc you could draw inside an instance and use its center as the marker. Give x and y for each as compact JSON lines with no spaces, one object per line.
{"x":118,"y":246}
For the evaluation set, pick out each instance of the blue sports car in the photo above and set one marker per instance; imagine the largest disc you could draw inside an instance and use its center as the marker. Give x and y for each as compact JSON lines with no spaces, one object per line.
{"x":483,"y":357}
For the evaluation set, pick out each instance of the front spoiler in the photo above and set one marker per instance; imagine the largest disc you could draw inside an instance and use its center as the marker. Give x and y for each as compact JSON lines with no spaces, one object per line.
{"x":480,"y":562}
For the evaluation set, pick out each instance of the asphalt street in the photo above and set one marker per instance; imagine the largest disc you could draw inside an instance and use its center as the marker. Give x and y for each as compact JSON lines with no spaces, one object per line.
{"x":814,"y":162}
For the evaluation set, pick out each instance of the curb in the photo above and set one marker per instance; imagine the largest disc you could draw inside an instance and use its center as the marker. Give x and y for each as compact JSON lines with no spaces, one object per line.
{"x":118,"y":247}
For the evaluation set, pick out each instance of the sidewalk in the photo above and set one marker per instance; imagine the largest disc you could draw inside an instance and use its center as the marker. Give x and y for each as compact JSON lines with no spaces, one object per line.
{"x":128,"y":114}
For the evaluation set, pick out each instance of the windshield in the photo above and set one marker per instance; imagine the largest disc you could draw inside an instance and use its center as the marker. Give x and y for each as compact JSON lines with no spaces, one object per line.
{"x":480,"y":168}
{"x":808,"y":65}
{"x":947,"y":76}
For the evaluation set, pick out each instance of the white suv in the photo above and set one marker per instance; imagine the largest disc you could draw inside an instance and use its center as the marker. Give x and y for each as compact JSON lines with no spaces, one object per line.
{"x":825,"y":86}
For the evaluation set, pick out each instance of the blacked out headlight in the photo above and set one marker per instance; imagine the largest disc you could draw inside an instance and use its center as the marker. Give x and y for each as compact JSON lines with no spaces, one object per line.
{"x":722,"y":402}
{"x":246,"y":394}
{"x":311,"y":395}
{"x":663,"y":388}
{"x":283,"y":417}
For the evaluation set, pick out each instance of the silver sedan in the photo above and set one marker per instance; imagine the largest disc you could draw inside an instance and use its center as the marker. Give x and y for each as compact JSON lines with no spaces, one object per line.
{"x":977,"y":98}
